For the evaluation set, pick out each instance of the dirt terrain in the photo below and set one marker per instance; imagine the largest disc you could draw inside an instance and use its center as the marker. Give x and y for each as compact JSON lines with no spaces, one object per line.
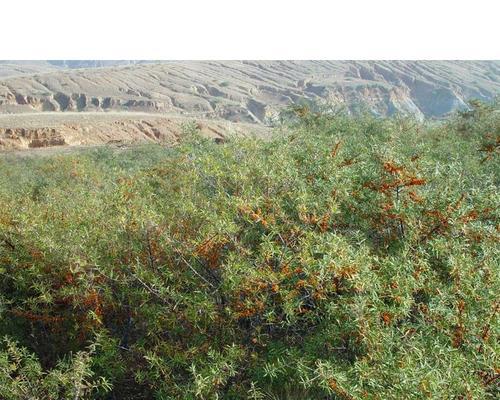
{"x":79,"y":103}
{"x":43,"y":130}
{"x":249,"y":91}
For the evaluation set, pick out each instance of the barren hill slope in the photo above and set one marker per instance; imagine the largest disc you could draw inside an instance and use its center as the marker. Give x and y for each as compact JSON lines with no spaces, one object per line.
{"x":42,"y":130}
{"x":250,"y":91}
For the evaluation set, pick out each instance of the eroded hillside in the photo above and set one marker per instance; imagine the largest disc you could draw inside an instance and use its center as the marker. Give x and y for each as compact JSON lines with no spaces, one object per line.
{"x":250,"y":91}
{"x":42,"y":130}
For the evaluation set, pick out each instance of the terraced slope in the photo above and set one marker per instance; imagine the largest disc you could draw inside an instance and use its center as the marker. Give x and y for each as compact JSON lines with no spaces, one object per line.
{"x":251,"y":91}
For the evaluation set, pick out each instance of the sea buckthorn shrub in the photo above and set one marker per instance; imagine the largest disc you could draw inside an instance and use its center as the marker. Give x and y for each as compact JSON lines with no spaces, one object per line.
{"x":343,"y":258}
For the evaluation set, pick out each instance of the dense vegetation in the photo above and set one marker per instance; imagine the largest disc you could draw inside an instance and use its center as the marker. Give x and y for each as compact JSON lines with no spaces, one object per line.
{"x":343,"y":259}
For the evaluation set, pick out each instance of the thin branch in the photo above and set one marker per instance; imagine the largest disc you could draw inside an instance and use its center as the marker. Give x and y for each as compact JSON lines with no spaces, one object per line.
{"x":196,"y":272}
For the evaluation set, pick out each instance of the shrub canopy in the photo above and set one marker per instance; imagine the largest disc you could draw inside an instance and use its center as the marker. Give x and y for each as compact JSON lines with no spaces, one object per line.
{"x":344,"y":258}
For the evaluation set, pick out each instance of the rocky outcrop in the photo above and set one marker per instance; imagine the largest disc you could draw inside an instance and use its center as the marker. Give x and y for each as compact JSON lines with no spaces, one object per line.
{"x":31,"y":138}
{"x":80,"y":102}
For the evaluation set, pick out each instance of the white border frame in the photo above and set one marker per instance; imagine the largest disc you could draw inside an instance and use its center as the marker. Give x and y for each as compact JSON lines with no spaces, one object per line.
{"x":251,"y":29}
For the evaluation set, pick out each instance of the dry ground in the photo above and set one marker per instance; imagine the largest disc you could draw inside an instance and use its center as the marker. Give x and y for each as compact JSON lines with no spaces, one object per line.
{"x":43,"y":130}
